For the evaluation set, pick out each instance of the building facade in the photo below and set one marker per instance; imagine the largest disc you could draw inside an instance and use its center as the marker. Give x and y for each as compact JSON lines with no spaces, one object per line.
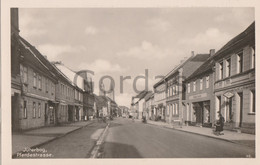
{"x":74,"y":98}
{"x":160,"y":100}
{"x":37,"y":102}
{"x":200,"y":99}
{"x":234,"y":87}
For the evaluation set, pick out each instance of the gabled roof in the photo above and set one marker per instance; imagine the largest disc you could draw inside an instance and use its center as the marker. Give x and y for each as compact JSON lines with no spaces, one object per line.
{"x":148,"y":96}
{"x":207,"y":66}
{"x":123,"y":107}
{"x":34,"y":56}
{"x":195,"y":58}
{"x":73,"y":77}
{"x":245,"y":37}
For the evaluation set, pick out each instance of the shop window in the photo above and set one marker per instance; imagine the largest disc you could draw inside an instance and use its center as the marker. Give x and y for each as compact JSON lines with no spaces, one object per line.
{"x":177,"y":109}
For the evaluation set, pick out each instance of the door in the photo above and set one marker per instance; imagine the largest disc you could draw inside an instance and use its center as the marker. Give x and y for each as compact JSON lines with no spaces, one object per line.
{"x":51,"y":111}
{"x":46,"y":114}
{"x":15,"y":112}
{"x":240,"y":95}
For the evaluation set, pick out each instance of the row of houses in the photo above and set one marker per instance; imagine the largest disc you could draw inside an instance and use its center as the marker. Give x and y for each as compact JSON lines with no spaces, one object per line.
{"x":203,"y":85}
{"x":48,"y":93}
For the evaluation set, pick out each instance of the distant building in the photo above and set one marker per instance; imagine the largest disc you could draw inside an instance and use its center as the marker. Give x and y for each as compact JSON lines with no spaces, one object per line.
{"x":148,"y":105}
{"x":169,"y":92}
{"x":138,"y":104}
{"x":124,"y":110}
{"x":107,"y":92}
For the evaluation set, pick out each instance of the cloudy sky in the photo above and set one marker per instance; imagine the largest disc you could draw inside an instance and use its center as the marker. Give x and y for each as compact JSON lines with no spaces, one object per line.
{"x":126,"y":41}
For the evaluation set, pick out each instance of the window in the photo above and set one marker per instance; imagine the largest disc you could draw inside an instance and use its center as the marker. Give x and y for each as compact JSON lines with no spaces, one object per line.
{"x":194,"y":86}
{"x":188,"y":87}
{"x":24,"y":73}
{"x":240,"y":62}
{"x":177,"y":109}
{"x":34,"y":110}
{"x":21,"y":72}
{"x":220,"y":70}
{"x":47,"y":85}
{"x":253,"y":101}
{"x":34,"y":79}
{"x":39,"y":110}
{"x":201,"y":84}
{"x":168,"y":107}
{"x":39,"y":82}
{"x":207,"y":82}
{"x":173,"y":109}
{"x":228,"y":69}
{"x":253,"y":58}
{"x":24,"y":109}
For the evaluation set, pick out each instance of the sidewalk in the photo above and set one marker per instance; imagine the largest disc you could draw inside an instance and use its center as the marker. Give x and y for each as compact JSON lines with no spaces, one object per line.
{"x":234,"y":137}
{"x":37,"y":137}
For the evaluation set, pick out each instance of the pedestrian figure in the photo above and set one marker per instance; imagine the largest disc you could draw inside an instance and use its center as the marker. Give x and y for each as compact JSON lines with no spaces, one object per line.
{"x":220,"y":125}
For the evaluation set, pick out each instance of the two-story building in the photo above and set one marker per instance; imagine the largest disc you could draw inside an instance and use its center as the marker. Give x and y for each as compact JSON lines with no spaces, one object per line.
{"x":37,"y":103}
{"x":64,"y":96}
{"x":159,"y":100}
{"x":148,"y":105}
{"x":200,"y":99}
{"x":169,"y":93}
{"x":234,"y":87}
{"x":75,"y":110}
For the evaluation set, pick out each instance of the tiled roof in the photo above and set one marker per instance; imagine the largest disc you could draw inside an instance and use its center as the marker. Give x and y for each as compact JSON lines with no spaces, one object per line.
{"x":209,"y":64}
{"x":197,"y":57}
{"x":245,"y":36}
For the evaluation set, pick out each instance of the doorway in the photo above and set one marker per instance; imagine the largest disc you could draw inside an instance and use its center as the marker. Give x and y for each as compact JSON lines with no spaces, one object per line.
{"x":46,"y":114}
{"x":240,"y":96}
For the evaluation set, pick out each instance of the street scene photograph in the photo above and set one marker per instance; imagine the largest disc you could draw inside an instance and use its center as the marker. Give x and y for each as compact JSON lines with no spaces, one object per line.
{"x":108,"y":83}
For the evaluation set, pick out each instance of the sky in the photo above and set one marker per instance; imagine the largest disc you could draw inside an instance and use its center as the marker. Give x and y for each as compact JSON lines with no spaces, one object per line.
{"x":121,"y":42}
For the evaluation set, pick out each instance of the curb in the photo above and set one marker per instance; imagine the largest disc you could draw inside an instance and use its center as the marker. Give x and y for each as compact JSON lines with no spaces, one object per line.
{"x":227,"y":140}
{"x":54,"y":138}
{"x":94,"y":153}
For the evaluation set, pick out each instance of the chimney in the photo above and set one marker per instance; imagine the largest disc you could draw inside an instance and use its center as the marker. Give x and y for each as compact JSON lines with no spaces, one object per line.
{"x":211,"y":52}
{"x":14,"y":21}
{"x":192,"y":53}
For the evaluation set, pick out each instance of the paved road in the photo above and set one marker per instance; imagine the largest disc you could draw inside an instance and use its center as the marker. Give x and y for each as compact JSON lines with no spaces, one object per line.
{"x":127,"y":139}
{"x":77,"y":144}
